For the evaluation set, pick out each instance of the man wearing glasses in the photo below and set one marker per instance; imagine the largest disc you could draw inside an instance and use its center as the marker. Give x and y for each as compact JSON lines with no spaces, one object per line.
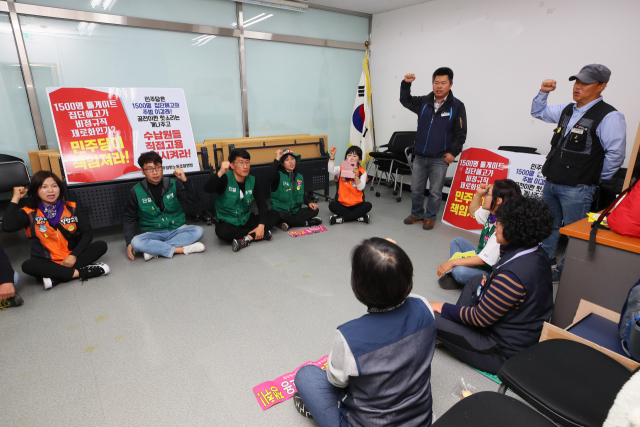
{"x":155,"y":201}
{"x":588,"y":146}
{"x":236,"y":190}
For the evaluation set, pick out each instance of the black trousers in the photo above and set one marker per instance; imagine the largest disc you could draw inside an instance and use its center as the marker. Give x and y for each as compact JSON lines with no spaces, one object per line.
{"x":40,"y":267}
{"x":350,"y":213}
{"x":228,"y":232}
{"x":471,"y":344}
{"x":298,"y":219}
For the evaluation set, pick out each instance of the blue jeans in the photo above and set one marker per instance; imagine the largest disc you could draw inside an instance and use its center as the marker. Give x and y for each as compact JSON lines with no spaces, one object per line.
{"x":461,"y":273}
{"x":319,"y":396}
{"x":164,"y":243}
{"x":435,"y":170}
{"x":568,"y":204}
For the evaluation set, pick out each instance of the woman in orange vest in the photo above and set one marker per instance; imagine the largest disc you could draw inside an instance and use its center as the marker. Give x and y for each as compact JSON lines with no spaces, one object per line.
{"x":60,"y":236}
{"x":349,"y":204}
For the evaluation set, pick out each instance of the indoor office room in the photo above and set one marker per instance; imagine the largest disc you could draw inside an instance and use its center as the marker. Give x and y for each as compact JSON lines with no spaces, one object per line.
{"x":277,"y":213}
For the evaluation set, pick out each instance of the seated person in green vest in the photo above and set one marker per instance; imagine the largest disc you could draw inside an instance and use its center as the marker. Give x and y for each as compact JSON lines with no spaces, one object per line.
{"x":155,"y":201}
{"x":500,"y":314}
{"x":235,"y":191}
{"x":287,"y":193}
{"x":488,"y":250}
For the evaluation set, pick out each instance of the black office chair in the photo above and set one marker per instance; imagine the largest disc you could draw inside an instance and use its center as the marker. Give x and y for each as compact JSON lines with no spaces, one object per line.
{"x":569,"y":382}
{"x":384,"y":161}
{"x":489,"y":409}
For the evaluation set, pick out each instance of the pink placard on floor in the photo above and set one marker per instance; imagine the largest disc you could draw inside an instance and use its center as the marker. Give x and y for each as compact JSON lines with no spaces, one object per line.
{"x":282,"y":388}
{"x":307,"y":231}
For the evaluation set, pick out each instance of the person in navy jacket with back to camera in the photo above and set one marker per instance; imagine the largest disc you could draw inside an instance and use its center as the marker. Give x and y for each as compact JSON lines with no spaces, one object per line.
{"x":442,"y":131}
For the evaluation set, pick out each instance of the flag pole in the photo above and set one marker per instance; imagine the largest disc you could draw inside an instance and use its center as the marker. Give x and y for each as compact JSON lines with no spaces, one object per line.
{"x":373,"y":127}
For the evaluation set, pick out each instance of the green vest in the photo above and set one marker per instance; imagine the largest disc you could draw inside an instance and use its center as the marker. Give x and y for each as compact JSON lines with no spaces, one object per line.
{"x":487,"y":232}
{"x":290,"y":195}
{"x":229,"y":207}
{"x":151,"y":218}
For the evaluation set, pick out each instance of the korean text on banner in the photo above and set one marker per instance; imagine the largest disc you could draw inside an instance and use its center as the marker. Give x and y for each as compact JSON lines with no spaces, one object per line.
{"x":480,"y":166}
{"x":282,"y":388}
{"x":103,"y":131}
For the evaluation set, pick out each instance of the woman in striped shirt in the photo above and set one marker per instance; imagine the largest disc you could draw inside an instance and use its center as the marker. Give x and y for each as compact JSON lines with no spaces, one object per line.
{"x":500,"y":314}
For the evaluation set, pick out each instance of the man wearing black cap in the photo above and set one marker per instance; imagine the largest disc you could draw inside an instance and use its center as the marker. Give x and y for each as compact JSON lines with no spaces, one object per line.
{"x":588,"y":146}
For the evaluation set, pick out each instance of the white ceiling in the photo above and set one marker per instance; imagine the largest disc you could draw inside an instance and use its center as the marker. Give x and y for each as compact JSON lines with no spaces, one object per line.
{"x":368,"y":6}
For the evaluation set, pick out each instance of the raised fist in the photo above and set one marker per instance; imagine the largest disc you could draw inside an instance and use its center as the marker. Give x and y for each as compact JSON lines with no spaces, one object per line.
{"x":278,"y":154}
{"x":224,"y":167}
{"x":179,"y":173}
{"x":409,"y":77}
{"x":548,"y":85}
{"x":332,"y":151}
{"x":19,"y":192}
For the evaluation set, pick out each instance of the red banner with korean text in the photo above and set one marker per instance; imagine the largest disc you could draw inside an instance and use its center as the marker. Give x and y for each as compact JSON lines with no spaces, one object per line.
{"x":94,"y":133}
{"x":476,"y":166}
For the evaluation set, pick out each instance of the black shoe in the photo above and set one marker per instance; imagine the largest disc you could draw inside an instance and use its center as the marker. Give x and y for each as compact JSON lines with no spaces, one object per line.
{"x":300,"y":406}
{"x":283,"y":226}
{"x":267,"y":236}
{"x":93,"y":270}
{"x":50,"y":283}
{"x":238,"y":244}
{"x":314,"y":221}
{"x":14,"y":301}
{"x":448,"y":282}
{"x":364,"y":219}
{"x":439,"y":344}
{"x":335,"y":219}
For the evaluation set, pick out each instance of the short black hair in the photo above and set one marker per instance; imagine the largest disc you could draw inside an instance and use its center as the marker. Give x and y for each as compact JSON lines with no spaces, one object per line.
{"x":238,"y":152}
{"x":381,"y":273}
{"x":149,"y":157}
{"x":504,"y":189}
{"x":526,"y":220}
{"x":443,"y":71}
{"x":355,"y":150}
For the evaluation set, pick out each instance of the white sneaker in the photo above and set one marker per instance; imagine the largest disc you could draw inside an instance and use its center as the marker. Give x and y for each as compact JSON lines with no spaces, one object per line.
{"x":147,"y":256}
{"x":105,"y":268}
{"x":193,"y":248}
{"x":47,"y":283}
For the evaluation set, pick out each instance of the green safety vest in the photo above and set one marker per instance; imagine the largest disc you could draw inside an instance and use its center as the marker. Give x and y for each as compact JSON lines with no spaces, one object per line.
{"x":151,"y":218}
{"x":485,"y":235}
{"x":229,"y":207}
{"x":290,"y":194}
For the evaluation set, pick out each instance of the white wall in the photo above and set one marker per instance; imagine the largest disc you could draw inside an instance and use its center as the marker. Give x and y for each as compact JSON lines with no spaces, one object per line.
{"x":500,"y":51}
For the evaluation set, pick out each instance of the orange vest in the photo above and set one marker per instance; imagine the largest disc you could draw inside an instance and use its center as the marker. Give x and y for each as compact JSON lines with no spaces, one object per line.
{"x":348,"y":194}
{"x":46,"y":241}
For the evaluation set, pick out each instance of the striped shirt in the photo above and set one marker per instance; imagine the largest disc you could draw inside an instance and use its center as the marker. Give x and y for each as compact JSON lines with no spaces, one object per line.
{"x":505,"y":292}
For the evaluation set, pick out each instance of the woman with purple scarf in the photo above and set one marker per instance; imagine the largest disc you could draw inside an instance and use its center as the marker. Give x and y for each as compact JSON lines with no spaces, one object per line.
{"x":61,"y":247}
{"x":487,"y":253}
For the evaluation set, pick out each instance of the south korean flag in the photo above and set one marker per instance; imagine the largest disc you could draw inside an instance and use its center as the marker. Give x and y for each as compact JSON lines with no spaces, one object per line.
{"x":361,"y":121}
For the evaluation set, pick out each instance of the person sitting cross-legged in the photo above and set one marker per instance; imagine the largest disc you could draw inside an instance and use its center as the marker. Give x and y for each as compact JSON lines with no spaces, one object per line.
{"x":236,"y":190}
{"x":287,"y":193}
{"x":155,"y":201}
{"x":501,"y":314}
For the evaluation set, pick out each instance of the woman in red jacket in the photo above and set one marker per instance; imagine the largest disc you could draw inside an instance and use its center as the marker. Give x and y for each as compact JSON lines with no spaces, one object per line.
{"x":61,"y":247}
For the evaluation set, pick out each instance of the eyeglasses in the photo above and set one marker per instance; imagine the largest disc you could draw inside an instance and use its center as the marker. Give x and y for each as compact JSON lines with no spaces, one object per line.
{"x":150,"y":170}
{"x":243,"y":164}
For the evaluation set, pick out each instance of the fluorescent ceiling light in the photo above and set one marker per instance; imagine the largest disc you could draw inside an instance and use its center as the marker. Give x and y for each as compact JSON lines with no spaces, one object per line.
{"x":258,"y":20}
{"x":203,"y":39}
{"x":280,"y":4}
{"x":248,"y":20}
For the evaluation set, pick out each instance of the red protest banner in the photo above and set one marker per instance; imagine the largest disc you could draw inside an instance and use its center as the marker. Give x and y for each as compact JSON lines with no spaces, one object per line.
{"x":476,"y":166}
{"x":95,"y":136}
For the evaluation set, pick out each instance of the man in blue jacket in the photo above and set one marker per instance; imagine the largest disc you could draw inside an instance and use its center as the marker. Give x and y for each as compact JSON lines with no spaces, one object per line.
{"x":442,"y":130}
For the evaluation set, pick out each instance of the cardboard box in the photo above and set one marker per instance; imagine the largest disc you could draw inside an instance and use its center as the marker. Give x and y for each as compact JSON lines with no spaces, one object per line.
{"x":43,"y":159}
{"x":54,"y":162}
{"x":586,"y":308}
{"x":34,"y":158}
{"x":263,"y":150}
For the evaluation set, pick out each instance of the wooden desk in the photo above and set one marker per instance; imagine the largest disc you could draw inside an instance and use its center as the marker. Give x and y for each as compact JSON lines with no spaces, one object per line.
{"x":603,"y":277}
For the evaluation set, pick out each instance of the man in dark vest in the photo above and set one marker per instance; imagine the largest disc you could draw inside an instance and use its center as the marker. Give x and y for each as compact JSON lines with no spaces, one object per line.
{"x":155,"y":201}
{"x":442,"y":130}
{"x":588,"y":147}
{"x":236,"y":190}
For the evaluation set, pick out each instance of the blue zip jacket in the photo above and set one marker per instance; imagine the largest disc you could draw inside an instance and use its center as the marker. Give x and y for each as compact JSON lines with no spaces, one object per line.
{"x":440,"y":133}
